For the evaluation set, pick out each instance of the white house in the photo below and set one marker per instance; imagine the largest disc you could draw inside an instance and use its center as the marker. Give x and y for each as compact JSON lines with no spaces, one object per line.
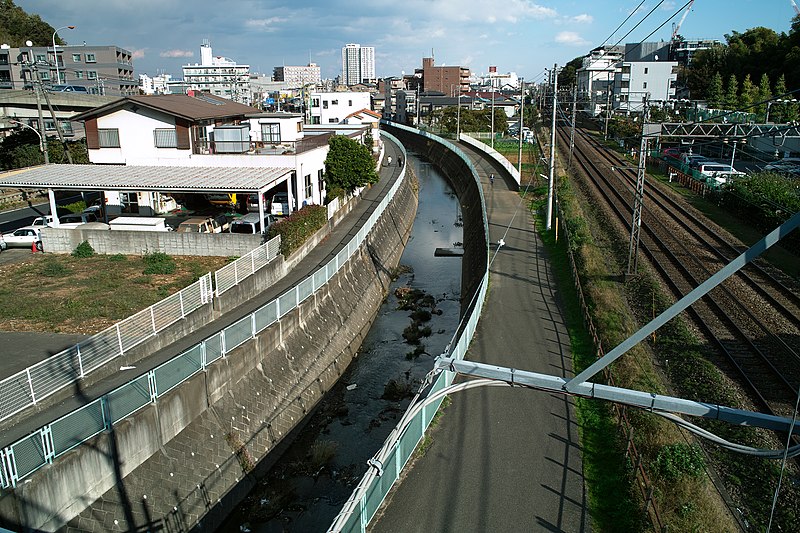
{"x":635,"y":81}
{"x":210,"y":138}
{"x":594,"y":78}
{"x":333,"y":108}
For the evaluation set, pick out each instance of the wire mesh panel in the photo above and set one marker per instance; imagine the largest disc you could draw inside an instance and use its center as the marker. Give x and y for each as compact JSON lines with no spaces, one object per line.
{"x":332,"y":267}
{"x":128,"y":398}
{"x":274,"y":247}
{"x":305,"y":289}
{"x":55,"y":373}
{"x":135,"y":329}
{"x":213,"y":347}
{"x":167,"y":311}
{"x":178,"y":370}
{"x":77,"y":427}
{"x":99,"y":349}
{"x":288,"y":301}
{"x":341,"y":257}
{"x":28,"y":454}
{"x":15,"y":394}
{"x":238,"y":333}
{"x":352,"y":246}
{"x":266,"y":315}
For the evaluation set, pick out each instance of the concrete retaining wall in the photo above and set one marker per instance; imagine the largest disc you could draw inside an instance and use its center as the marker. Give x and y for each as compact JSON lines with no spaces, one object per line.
{"x":188,"y":457}
{"x":105,"y":241}
{"x":496,"y":156}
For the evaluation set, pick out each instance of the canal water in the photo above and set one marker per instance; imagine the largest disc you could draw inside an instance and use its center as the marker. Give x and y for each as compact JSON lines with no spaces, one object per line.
{"x":307,"y":487}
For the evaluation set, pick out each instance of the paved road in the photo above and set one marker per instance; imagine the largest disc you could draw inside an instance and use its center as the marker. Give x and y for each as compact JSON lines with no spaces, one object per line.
{"x":503,"y":459}
{"x":12,"y":430}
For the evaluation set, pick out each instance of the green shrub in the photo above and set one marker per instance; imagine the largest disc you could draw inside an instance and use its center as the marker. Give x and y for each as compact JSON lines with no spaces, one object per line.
{"x":83,"y":250}
{"x":158,"y":263}
{"x":297,"y":228}
{"x":75,"y":207}
{"x":53,"y":268}
{"x":117,"y":258}
{"x":677,"y":460}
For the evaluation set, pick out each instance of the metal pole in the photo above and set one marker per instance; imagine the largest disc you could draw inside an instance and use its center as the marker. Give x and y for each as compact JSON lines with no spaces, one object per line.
{"x":572,"y":130}
{"x":521,"y":122}
{"x":492,"y":82}
{"x":58,"y":128}
{"x":733,"y":155}
{"x":608,"y":105}
{"x":458,"y":119}
{"x":37,"y":86}
{"x":638,"y":200}
{"x":552,"y":150}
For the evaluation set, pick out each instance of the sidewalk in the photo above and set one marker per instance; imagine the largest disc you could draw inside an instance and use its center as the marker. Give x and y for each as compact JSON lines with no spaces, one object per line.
{"x":503,"y":459}
{"x":14,"y":429}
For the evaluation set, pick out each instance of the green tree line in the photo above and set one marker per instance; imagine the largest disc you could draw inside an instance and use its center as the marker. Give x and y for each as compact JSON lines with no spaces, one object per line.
{"x":17,"y":26}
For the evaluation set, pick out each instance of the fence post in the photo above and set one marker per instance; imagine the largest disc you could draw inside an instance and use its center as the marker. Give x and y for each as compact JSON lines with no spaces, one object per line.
{"x":153,"y":320}
{"x":253,"y":261}
{"x":180,"y":297}
{"x":30,"y":385}
{"x":80,"y":360}
{"x":119,"y":339}
{"x":48,"y":448}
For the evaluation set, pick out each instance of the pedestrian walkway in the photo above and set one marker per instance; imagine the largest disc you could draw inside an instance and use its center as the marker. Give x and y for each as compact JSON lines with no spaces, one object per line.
{"x":503,"y":459}
{"x":18,"y":427}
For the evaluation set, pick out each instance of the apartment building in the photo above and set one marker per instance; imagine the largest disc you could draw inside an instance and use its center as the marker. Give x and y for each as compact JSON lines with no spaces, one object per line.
{"x":595,"y":78}
{"x":334,"y":108}
{"x":449,"y":80}
{"x":219,"y":76}
{"x":297,"y":76}
{"x":104,"y":70}
{"x":358,"y":64}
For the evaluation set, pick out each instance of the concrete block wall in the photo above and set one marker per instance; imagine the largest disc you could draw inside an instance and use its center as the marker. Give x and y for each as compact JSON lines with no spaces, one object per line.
{"x":170,"y":465}
{"x":64,"y":241}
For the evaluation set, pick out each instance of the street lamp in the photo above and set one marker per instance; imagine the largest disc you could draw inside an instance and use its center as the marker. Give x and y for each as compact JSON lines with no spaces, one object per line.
{"x":41,"y":142}
{"x":55,"y":53}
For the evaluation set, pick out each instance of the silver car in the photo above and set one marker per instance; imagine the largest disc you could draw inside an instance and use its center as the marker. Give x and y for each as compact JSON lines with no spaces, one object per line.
{"x":23,"y":237}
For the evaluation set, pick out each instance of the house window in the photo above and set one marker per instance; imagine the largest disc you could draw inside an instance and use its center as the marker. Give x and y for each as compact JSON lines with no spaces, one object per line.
{"x":49,"y":125}
{"x":644,"y":85}
{"x":76,"y":58}
{"x":350,"y":103}
{"x":78,"y":74}
{"x":90,"y":58}
{"x":309,"y":188}
{"x":334,"y":102}
{"x":271,"y":133}
{"x":333,"y":121}
{"x":41,"y":57}
{"x":645,"y":70}
{"x":299,"y":127}
{"x":324,"y":104}
{"x":108,"y":137}
{"x":321,"y":181}
{"x":165,"y":138}
{"x":44,"y":75}
{"x":66,"y":128}
{"x":315,"y":102}
{"x":91,"y":74}
{"x":315,"y":120}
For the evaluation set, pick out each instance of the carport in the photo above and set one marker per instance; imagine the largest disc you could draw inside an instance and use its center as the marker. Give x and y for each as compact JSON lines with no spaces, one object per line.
{"x":162,"y":179}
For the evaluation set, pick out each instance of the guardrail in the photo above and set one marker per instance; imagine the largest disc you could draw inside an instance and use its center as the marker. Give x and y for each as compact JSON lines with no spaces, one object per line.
{"x":27,"y":455}
{"x":231,"y":274}
{"x":369,"y":494}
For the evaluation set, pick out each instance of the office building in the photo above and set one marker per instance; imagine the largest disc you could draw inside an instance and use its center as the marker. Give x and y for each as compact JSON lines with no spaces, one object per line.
{"x":297,"y":76}
{"x":219,"y":76}
{"x":358,"y":64}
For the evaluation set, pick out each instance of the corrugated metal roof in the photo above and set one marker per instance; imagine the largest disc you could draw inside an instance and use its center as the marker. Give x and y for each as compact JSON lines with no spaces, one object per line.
{"x":144,"y":178}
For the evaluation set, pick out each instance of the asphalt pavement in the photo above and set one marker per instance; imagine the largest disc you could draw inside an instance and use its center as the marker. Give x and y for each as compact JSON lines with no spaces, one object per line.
{"x":503,"y":459}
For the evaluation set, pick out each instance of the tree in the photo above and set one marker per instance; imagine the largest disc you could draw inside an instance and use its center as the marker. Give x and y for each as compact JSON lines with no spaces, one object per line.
{"x":349,"y":165}
{"x":714,"y":94}
{"x":783,"y":111}
{"x":567,"y":77}
{"x":16,"y":26}
{"x":731,"y":99}
{"x":748,"y":94}
{"x":764,"y":95}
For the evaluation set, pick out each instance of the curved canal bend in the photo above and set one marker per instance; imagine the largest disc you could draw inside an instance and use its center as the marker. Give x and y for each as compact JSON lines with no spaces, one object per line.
{"x":306,"y":488}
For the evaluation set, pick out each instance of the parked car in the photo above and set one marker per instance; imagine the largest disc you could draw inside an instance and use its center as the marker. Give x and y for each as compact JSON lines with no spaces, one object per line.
{"x":674,"y":153}
{"x":42,"y":221}
{"x":250,"y":224}
{"x":3,"y":244}
{"x":69,"y":89}
{"x":783,"y":166}
{"x":252,"y":203}
{"x":210,"y":224}
{"x":719,"y":171}
{"x":694,"y":161}
{"x":279,"y":205}
{"x":139,"y":224}
{"x":74,"y":220}
{"x":23,"y":237}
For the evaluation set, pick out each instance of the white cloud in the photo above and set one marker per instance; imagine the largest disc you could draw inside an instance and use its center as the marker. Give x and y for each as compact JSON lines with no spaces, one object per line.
{"x":571,"y":38}
{"x":176,"y":53}
{"x":138,"y":54}
{"x":268,"y":23}
{"x":583,"y":19}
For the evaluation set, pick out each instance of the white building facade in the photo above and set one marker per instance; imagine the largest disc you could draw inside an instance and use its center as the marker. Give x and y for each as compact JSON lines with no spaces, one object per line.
{"x":219,"y":76}
{"x":334,"y":108}
{"x":595,"y":78}
{"x":637,"y":81}
{"x":358,"y":64}
{"x":298,"y":76}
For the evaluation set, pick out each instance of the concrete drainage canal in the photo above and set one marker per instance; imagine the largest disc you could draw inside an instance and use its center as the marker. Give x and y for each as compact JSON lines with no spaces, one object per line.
{"x":308,"y":485}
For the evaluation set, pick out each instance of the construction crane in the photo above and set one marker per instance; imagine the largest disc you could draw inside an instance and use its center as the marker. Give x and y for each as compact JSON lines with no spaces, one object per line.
{"x":676,"y":27}
{"x":796,"y":9}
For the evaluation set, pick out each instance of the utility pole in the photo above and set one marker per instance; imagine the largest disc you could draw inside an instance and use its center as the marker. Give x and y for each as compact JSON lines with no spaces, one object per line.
{"x":552,"y":151}
{"x":572,"y":130}
{"x":492,"y":82}
{"x":638,"y":200}
{"x":521,"y":122}
{"x":37,"y":86}
{"x":55,"y":121}
{"x":608,"y":105}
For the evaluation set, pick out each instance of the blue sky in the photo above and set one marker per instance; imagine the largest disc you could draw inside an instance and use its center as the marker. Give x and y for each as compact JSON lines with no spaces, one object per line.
{"x":515,"y":35}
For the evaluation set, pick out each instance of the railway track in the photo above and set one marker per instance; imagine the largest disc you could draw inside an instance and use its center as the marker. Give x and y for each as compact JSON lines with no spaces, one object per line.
{"x":753,"y":318}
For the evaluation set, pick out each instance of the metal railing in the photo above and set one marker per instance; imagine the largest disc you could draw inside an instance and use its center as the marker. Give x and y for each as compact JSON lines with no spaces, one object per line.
{"x":234,"y":272}
{"x":32,"y":385}
{"x":25,"y":456}
{"x":368,"y":496}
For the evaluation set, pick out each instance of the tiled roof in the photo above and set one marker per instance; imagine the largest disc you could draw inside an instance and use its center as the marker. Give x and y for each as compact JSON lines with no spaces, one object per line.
{"x":193,"y":108}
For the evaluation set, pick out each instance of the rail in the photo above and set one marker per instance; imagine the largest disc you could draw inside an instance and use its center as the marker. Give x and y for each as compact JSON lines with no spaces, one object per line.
{"x":41,"y":447}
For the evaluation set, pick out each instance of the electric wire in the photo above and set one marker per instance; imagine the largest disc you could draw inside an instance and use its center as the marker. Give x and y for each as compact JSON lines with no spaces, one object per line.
{"x":632,"y":13}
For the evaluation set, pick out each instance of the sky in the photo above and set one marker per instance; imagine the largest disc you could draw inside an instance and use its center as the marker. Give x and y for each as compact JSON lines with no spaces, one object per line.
{"x":520,"y":36}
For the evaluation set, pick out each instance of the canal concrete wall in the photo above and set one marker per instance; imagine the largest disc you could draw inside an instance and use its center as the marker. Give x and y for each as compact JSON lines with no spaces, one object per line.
{"x":184,"y":461}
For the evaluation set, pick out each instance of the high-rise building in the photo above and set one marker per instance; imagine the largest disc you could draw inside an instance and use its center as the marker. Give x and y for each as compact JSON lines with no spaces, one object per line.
{"x":358,"y":64}
{"x":219,"y":76}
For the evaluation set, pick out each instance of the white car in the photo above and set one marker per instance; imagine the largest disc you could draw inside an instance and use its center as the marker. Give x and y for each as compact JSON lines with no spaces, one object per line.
{"x":719,"y":171}
{"x":42,"y":221}
{"x":23,"y":237}
{"x":279,"y":206}
{"x":3,"y":244}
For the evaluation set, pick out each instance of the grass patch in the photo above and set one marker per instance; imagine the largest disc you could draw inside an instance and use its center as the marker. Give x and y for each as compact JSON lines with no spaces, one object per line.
{"x":158,"y":263}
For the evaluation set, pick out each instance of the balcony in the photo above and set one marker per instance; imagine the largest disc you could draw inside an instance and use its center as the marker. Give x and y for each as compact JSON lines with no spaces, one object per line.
{"x":204,"y":147}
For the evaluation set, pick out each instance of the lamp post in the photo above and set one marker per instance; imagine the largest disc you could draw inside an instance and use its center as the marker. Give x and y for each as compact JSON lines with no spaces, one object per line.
{"x":41,"y":141}
{"x":55,"y":53}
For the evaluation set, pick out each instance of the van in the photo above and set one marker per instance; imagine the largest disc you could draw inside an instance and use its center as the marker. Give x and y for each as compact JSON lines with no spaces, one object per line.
{"x":249,"y":224}
{"x":279,"y":205}
{"x":139,"y":224}
{"x":210,"y":224}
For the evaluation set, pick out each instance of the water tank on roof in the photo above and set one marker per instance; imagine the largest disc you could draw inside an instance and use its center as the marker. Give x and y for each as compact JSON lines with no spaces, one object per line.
{"x":232,"y":139}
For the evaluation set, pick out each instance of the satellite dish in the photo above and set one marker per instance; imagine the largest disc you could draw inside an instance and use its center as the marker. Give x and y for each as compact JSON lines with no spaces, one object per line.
{"x":28,"y":43}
